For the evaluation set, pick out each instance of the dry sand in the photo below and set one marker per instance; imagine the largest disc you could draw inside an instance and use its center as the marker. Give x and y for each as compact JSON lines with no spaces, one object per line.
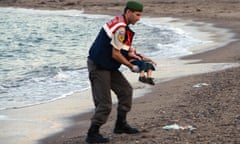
{"x":213,"y":109}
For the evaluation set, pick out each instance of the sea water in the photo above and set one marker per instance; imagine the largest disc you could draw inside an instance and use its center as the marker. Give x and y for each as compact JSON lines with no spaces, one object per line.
{"x":43,"y":53}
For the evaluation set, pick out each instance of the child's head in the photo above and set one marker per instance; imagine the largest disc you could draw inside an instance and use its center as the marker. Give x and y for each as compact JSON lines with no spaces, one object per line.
{"x":132,"y":49}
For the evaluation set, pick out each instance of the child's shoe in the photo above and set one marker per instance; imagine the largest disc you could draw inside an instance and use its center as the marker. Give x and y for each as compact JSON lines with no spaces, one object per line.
{"x":142,"y":79}
{"x":150,"y":81}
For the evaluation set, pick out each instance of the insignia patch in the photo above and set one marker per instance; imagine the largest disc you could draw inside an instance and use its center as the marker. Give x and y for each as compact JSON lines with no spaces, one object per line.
{"x":121,"y":36}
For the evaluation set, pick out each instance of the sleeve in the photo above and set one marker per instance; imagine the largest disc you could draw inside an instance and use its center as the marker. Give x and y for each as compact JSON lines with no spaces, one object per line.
{"x":118,"y":38}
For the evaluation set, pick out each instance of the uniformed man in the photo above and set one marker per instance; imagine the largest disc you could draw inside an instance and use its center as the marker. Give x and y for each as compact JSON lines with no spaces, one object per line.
{"x":104,"y":60}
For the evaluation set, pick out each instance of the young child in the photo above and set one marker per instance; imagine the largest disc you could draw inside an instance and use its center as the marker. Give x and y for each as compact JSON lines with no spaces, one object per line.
{"x":145,"y":64}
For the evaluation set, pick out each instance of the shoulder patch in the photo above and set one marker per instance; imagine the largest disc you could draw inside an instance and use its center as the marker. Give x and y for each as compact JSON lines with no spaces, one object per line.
{"x":121,"y":36}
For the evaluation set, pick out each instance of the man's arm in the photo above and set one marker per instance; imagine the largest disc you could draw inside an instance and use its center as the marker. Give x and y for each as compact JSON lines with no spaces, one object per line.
{"x":116,"y":54}
{"x":117,"y":43}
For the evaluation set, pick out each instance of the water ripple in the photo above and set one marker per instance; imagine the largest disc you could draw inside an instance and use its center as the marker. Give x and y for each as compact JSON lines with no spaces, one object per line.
{"x":43,"y":53}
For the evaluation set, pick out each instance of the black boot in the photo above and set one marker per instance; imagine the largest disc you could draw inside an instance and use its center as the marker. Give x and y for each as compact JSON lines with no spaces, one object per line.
{"x":121,"y":125}
{"x":93,"y":135}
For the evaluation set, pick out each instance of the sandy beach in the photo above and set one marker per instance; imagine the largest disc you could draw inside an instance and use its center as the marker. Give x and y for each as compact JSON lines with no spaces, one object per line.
{"x":204,"y":93}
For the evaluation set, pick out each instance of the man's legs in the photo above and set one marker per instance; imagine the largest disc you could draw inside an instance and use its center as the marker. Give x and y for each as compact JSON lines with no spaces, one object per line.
{"x":101,"y":86}
{"x":124,"y":92}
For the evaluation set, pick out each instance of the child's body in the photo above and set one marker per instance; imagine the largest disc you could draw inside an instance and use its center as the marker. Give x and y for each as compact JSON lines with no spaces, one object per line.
{"x":145,"y":64}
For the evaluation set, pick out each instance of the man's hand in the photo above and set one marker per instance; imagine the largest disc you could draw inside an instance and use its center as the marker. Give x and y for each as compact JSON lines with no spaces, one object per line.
{"x":135,"y":69}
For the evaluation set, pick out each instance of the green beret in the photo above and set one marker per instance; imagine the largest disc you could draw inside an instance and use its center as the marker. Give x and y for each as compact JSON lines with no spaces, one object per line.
{"x":134,"y":6}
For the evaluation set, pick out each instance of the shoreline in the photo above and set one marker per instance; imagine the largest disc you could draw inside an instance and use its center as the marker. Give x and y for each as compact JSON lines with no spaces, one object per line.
{"x":158,"y":100}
